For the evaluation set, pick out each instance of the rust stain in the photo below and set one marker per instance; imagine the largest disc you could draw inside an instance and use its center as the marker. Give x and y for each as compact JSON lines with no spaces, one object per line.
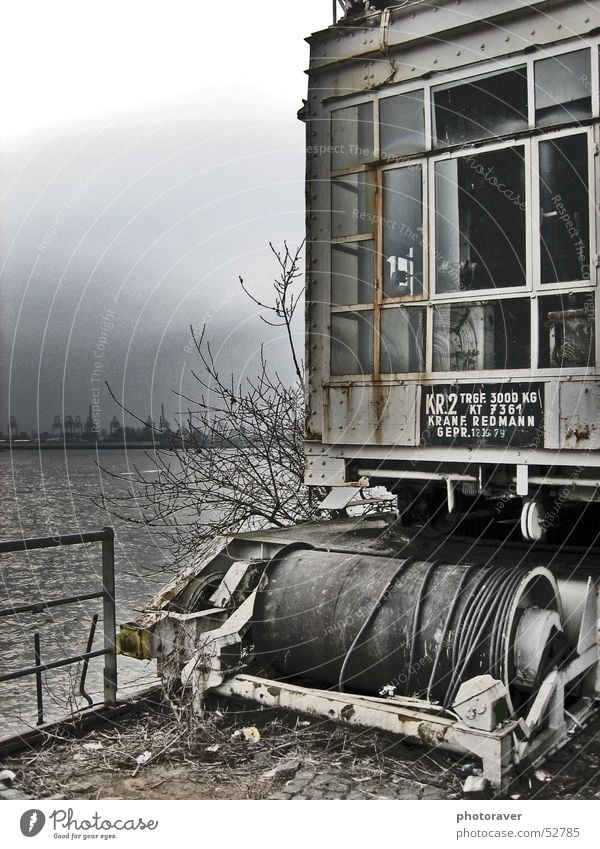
{"x":578,"y":432}
{"x":431,"y":734}
{"x":380,"y":404}
{"x":347,"y":712}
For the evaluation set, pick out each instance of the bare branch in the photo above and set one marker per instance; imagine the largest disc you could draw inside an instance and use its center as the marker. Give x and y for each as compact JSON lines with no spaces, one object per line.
{"x":236,"y":461}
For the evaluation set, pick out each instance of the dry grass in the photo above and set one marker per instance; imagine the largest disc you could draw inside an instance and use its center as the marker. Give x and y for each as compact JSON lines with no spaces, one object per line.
{"x":191,"y":758}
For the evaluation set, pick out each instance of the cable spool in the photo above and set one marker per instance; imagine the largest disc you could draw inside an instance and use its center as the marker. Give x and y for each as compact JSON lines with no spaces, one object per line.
{"x":363,"y":623}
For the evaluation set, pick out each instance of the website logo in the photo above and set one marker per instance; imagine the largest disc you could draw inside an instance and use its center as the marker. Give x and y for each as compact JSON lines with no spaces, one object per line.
{"x":32,"y":822}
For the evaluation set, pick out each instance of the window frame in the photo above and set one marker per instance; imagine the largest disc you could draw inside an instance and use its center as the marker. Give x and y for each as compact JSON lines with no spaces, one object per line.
{"x":486,"y":373}
{"x":391,"y":376}
{"x":530,"y":139}
{"x":505,"y":291}
{"x":550,"y":288}
{"x":379,"y":205}
{"x":488,"y":74}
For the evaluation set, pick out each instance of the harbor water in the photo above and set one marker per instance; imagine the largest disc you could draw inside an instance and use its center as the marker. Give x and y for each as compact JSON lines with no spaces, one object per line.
{"x":46,"y":492}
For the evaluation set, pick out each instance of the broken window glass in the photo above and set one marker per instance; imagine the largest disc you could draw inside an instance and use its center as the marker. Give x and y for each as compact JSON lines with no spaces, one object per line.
{"x":565,"y":222}
{"x":567,"y":330}
{"x":352,"y":136}
{"x":402,"y":124}
{"x":563,"y":88}
{"x":352,"y":200}
{"x":352,"y":342}
{"x":484,"y":107}
{"x":402,"y":228}
{"x":403,"y":340}
{"x":484,"y":335}
{"x":352,"y":273}
{"x":480,"y":221}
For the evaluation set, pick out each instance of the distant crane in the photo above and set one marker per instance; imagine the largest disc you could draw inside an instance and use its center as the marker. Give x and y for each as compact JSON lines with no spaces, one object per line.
{"x":163,"y":424}
{"x":57,"y":428}
{"x":115,"y":426}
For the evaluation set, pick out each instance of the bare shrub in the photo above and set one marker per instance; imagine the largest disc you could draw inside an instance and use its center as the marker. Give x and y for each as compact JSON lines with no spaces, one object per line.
{"x":236,"y":463}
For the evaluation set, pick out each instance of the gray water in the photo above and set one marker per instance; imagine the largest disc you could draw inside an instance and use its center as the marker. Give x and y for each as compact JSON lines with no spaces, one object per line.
{"x":48,"y":492}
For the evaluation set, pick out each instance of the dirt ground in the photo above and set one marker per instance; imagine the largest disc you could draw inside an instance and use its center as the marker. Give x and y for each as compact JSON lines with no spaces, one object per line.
{"x":158,"y":752}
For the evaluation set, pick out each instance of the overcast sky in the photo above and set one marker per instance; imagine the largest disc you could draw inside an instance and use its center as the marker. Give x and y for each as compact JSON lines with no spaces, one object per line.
{"x":150,"y":151}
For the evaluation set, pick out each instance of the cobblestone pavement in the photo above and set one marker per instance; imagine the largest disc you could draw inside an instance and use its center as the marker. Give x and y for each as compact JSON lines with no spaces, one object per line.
{"x":313,"y":784}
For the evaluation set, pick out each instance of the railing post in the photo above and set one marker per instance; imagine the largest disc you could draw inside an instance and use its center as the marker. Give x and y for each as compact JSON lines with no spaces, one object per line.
{"x":38,"y":678}
{"x":109,"y":617}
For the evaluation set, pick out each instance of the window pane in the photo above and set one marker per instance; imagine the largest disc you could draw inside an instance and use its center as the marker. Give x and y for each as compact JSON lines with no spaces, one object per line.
{"x":351,"y":136}
{"x":485,"y":107}
{"x":402,"y":340}
{"x":482,"y":335}
{"x":402,"y":124}
{"x":480,"y":221}
{"x":567,"y":331}
{"x":352,"y":343}
{"x":402,"y":232}
{"x":563,"y":88}
{"x":352,"y":273}
{"x":565,"y":222}
{"x":352,"y":199}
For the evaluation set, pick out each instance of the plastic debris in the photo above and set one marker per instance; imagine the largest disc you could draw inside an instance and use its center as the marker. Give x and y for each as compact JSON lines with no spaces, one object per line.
{"x":251,"y":734}
{"x":93,"y":746}
{"x":467,"y":769}
{"x":143,"y":758}
{"x":542,"y":775}
{"x":214,"y":748}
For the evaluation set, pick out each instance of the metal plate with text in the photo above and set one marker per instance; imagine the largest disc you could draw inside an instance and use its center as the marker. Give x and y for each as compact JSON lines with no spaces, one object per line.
{"x":483,"y":414}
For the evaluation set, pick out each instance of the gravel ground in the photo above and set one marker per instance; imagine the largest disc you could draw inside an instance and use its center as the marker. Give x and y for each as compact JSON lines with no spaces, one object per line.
{"x":157,"y":752}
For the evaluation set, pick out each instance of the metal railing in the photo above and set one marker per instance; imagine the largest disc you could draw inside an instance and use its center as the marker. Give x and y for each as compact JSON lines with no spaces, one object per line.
{"x":107,"y":537}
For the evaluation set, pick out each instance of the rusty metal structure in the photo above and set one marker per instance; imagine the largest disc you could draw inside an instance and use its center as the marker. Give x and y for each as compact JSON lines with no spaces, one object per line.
{"x":452,"y":379}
